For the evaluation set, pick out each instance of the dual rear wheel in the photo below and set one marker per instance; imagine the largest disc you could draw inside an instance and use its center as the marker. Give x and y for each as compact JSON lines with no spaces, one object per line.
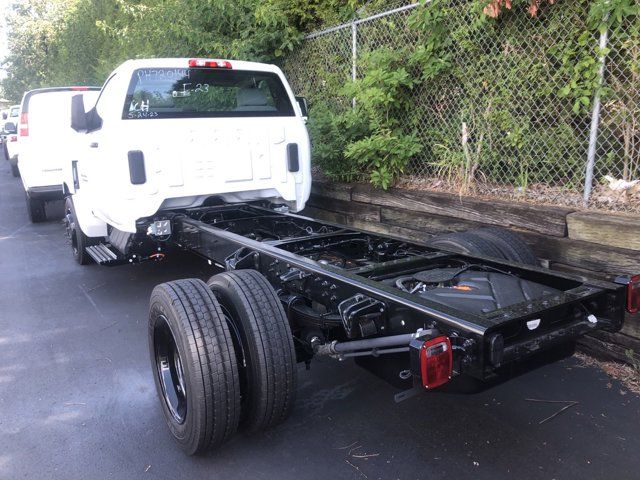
{"x":223,"y":357}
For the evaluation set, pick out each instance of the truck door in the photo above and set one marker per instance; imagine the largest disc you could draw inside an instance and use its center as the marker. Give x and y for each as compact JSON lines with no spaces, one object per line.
{"x":95,"y":169}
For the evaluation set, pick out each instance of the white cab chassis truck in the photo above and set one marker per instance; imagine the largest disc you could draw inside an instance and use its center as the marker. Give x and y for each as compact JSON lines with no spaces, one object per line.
{"x":169,"y":134}
{"x":206,"y":156}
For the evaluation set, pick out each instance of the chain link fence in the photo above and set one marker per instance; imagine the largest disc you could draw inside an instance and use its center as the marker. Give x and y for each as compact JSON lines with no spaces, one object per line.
{"x":499,"y":121}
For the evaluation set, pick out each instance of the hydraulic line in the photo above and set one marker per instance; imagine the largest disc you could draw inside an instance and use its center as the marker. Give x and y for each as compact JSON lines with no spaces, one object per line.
{"x":371,"y":344}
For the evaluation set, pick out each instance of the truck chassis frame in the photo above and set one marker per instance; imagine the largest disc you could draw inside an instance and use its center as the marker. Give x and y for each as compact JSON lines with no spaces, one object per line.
{"x":331,"y":281}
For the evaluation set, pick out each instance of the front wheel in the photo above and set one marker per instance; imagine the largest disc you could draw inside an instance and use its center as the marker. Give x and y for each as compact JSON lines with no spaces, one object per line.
{"x":79,"y":241}
{"x":15,"y":171}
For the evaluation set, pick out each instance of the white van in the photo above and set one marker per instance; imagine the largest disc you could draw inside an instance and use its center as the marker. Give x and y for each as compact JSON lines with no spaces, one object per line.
{"x":45,"y":142}
{"x":168,"y":133}
{"x":11,"y":138}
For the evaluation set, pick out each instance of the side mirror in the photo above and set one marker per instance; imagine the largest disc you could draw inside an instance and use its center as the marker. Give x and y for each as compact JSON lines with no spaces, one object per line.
{"x":78,"y":115}
{"x":10,"y":128}
{"x":4,"y":115}
{"x":304,"y":106}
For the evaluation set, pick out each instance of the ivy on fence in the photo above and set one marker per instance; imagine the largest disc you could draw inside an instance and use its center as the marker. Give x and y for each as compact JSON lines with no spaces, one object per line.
{"x":482,"y":104}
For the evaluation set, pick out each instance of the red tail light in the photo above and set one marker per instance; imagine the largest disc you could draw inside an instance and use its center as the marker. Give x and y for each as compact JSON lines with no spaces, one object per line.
{"x":24,"y":125}
{"x":79,"y":89}
{"x":203,"y":63}
{"x":13,"y":138}
{"x":633,"y":294}
{"x":436,"y":362}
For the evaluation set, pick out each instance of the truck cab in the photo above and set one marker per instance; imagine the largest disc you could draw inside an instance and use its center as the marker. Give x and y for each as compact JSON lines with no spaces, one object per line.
{"x":168,"y":134}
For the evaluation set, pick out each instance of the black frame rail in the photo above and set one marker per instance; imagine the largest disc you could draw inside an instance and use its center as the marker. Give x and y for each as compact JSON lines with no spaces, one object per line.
{"x":347,"y":299}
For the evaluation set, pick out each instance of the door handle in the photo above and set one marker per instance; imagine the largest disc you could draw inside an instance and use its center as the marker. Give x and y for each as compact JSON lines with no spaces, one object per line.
{"x":93,"y":145}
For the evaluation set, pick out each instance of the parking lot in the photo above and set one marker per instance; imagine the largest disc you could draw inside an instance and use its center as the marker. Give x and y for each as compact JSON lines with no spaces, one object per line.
{"x":77,"y":398}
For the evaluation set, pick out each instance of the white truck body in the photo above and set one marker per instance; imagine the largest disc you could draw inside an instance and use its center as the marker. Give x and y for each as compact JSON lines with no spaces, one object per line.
{"x":164,"y":135}
{"x":45,"y":138}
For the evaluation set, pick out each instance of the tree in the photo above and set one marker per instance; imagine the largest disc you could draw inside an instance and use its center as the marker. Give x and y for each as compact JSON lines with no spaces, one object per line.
{"x":57,"y":42}
{"x":32,"y":26}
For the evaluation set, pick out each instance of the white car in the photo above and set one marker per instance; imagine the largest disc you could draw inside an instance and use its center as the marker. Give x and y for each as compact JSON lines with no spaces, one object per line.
{"x":167,"y":134}
{"x":45,"y":142}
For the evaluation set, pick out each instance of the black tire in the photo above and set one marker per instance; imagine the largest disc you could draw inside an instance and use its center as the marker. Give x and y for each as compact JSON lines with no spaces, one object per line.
{"x":466,"y":243}
{"x":79,"y":241}
{"x":264,"y":344}
{"x":205,"y":375}
{"x":511,"y":245}
{"x":35,"y":209}
{"x":15,"y":171}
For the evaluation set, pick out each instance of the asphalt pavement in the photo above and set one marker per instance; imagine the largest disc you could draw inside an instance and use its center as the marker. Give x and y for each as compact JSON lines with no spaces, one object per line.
{"x":77,"y":399}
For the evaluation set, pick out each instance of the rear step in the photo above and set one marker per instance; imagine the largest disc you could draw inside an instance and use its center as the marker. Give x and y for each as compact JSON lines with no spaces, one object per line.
{"x":103,"y":255}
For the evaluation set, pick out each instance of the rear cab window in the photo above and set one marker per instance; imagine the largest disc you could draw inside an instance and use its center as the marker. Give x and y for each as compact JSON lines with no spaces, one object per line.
{"x":205,"y":92}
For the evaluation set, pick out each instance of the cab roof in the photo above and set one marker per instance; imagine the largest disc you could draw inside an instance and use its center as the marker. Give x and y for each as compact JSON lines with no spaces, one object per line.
{"x":184,"y":63}
{"x":37,"y":91}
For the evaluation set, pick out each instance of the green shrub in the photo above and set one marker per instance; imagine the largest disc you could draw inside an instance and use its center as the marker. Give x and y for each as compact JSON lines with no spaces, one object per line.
{"x":383,"y":155}
{"x":371,"y":140}
{"x":330,"y":134}
{"x":470,"y":98}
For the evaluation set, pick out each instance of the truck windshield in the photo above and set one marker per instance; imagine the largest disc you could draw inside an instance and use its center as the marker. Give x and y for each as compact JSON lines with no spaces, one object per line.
{"x":205,"y":92}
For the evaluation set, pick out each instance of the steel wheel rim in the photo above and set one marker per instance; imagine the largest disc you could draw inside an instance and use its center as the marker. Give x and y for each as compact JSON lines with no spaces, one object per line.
{"x":169,"y":370}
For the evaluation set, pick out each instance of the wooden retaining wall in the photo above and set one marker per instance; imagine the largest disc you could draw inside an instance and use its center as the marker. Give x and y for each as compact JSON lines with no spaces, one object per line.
{"x":600,"y":245}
